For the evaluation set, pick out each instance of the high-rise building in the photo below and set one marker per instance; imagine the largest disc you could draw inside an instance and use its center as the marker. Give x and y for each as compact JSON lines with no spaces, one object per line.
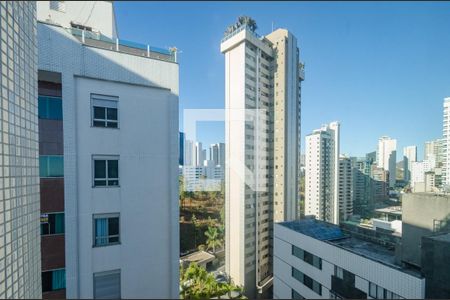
{"x":108,"y":124}
{"x":189,"y":153}
{"x":199,"y":154}
{"x":20,"y":247}
{"x":434,"y":148}
{"x":262,"y":130}
{"x":409,"y":156}
{"x":322,"y":173}
{"x":182,"y":141}
{"x":217,"y":154}
{"x":446,"y":144}
{"x":345,"y":192}
{"x":387,"y":157}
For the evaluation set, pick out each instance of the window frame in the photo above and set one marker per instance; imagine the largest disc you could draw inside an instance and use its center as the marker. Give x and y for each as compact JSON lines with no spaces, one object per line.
{"x":106,"y":273}
{"x":107,"y":217}
{"x":106,"y":158}
{"x":53,"y":270}
{"x":104,"y":98}
{"x":53,"y":213}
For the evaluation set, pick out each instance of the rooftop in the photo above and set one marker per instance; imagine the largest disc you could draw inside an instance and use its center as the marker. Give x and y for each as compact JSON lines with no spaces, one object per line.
{"x":443,"y":237}
{"x":333,"y":234}
{"x":199,"y":257}
{"x":98,"y":40}
{"x":396,"y":210}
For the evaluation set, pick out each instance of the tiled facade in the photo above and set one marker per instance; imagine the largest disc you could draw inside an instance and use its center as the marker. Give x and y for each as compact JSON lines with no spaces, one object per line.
{"x":20,"y":266}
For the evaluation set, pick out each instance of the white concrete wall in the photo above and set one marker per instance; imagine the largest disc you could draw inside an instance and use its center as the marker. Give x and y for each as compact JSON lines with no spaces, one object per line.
{"x":147,"y":143}
{"x":96,"y":14}
{"x":365,"y":269}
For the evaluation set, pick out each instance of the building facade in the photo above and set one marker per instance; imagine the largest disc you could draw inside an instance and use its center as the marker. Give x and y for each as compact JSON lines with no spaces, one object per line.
{"x":20,"y":261}
{"x":322,"y":173}
{"x":387,"y":157}
{"x":317,"y":260}
{"x":262,"y":130}
{"x":182,"y":141}
{"x":409,"y":156}
{"x":119,"y":204}
{"x":446,"y":144}
{"x":345,"y":192}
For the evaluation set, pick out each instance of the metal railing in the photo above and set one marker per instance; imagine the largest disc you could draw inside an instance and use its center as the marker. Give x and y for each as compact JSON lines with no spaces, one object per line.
{"x":233,"y":33}
{"x":99,"y":40}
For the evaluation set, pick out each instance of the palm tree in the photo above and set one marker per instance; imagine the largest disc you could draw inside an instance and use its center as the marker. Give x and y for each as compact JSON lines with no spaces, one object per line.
{"x":196,"y":227}
{"x":214,"y":239}
{"x":246,"y":20}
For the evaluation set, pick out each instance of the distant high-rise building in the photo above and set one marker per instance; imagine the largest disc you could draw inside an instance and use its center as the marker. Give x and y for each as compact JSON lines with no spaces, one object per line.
{"x":199,"y":158}
{"x":182,"y":140}
{"x":20,"y":243}
{"x":262,"y":130}
{"x":108,"y":140}
{"x":345,"y":192}
{"x":217,"y":154}
{"x":446,"y":144}
{"x":322,"y":173}
{"x":189,"y":153}
{"x":409,"y":156}
{"x":387,"y":157}
{"x":434,"y":148}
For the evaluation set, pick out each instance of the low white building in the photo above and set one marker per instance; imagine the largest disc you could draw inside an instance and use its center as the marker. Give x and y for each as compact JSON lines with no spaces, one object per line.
{"x":316,"y":260}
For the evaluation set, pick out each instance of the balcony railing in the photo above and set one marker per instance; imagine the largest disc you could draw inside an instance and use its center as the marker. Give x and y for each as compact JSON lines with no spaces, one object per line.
{"x":233,"y":33}
{"x":99,"y":40}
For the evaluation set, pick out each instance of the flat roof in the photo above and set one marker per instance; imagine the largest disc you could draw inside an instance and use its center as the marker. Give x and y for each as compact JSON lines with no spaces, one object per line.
{"x":333,"y":234}
{"x":396,"y":210}
{"x":198,"y":257}
{"x":444,"y":237}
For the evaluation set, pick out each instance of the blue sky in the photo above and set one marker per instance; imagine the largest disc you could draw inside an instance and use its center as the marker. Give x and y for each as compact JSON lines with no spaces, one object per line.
{"x":378,"y":68}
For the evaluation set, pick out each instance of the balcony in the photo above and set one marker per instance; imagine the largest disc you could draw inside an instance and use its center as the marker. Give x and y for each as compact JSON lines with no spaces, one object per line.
{"x":301,"y":71}
{"x":98,"y":40}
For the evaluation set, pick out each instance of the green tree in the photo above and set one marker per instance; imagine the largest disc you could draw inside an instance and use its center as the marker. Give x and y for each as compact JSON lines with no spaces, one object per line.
{"x":214,"y":239}
{"x":197,"y":283}
{"x":196,"y":224}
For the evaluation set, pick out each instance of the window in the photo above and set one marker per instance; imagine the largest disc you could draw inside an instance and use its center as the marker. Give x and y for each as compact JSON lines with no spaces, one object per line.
{"x":106,"y":229}
{"x":307,"y":281}
{"x":377,"y":292}
{"x":58,"y":5}
{"x":52,"y":223}
{"x":50,"y":108}
{"x":338,"y":272}
{"x":51,"y":166}
{"x":106,"y":171}
{"x":107,"y":285}
{"x":295,"y":295}
{"x":53,"y":280}
{"x":104,"y":111}
{"x":307,"y":257}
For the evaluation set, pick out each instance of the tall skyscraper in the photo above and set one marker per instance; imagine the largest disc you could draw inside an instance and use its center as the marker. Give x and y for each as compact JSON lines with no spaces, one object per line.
{"x":217,"y":154}
{"x":189,"y":153}
{"x":108,"y":150}
{"x":20,"y":247}
{"x":322,"y":173}
{"x":199,"y":154}
{"x":182,"y":141}
{"x":262,"y":130}
{"x":434,"y":149}
{"x":446,"y":144}
{"x":409,"y":156}
{"x":345,"y":192}
{"x":387,"y":157}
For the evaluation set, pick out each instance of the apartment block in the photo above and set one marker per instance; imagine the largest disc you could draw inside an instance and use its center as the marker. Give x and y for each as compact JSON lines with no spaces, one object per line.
{"x":108,"y":150}
{"x":446,"y":144}
{"x":345,"y":186}
{"x":322,"y":173}
{"x":318,"y":260}
{"x":262,"y":142}
{"x":20,"y":263}
{"x":409,"y":156}
{"x":387,"y":157}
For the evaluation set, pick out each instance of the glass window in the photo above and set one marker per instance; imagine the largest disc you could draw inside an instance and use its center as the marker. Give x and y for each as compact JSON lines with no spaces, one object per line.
{"x":107,"y":285}
{"x":372,"y":290}
{"x":338,"y":272}
{"x":106,"y":230}
{"x":308,"y":281}
{"x":380,"y":293}
{"x":106,"y":171}
{"x":297,"y":274}
{"x":104,"y":111}
{"x":296,"y":295}
{"x":52,"y":223}
{"x":317,"y":287}
{"x":53,"y":280}
{"x":50,"y":108}
{"x":51,"y":166}
{"x":308,"y":257}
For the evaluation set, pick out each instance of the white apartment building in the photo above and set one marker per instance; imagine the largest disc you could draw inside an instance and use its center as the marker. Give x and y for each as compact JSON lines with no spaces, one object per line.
{"x":446,"y":144}
{"x":189,"y":153}
{"x":387,"y":157}
{"x":120,"y":140}
{"x":262,"y":130}
{"x":199,"y":154}
{"x":20,"y":248}
{"x":317,"y":260}
{"x":345,"y":186}
{"x":322,"y":173}
{"x":434,"y":148}
{"x":409,"y":156}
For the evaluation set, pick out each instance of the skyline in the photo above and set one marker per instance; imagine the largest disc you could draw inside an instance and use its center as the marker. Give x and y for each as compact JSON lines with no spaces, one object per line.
{"x":366,"y":55}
